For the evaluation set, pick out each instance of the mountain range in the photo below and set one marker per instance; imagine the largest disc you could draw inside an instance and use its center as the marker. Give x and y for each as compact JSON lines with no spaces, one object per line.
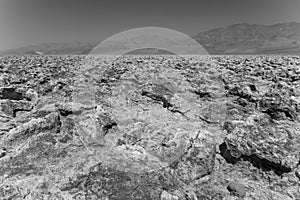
{"x":283,"y":38}
{"x":237,"y":39}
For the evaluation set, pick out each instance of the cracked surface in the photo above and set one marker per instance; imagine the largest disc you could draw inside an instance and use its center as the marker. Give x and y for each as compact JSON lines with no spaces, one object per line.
{"x":151,"y":127}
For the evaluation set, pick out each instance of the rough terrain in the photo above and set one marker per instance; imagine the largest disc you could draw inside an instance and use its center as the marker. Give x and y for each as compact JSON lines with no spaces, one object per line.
{"x":149,"y":127}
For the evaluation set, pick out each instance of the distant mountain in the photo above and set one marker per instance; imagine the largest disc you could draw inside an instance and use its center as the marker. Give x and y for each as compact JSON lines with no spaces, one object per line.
{"x":52,"y":49}
{"x":283,"y":38}
{"x":150,"y":51}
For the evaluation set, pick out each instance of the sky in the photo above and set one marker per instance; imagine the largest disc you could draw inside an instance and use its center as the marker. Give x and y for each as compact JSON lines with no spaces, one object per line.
{"x":30,"y":22}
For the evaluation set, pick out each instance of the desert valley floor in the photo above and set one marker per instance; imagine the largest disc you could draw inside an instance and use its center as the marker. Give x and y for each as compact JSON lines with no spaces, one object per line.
{"x":149,"y":127}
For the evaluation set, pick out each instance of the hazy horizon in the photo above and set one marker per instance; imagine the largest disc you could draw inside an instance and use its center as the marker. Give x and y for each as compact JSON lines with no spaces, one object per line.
{"x":31,"y":22}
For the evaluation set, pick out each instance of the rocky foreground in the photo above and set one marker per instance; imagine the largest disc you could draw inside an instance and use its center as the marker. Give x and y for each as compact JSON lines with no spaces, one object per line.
{"x":151,"y":127}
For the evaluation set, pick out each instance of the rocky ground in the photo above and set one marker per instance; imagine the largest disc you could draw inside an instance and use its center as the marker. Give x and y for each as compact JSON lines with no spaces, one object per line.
{"x":149,"y":127}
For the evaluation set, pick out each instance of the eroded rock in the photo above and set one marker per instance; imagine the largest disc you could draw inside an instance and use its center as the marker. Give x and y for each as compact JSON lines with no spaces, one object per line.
{"x":151,"y":127}
{"x":237,"y":189}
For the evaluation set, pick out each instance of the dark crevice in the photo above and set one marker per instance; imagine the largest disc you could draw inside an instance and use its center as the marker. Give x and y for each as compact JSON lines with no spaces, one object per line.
{"x":252,"y":88}
{"x":179,"y":112}
{"x":164,"y":101}
{"x":106,"y":122}
{"x":203,"y":94}
{"x":207,"y":121}
{"x":241,"y":94}
{"x":2,"y":152}
{"x":20,"y":110}
{"x":108,"y":126}
{"x":276,"y":113}
{"x":12,"y":94}
{"x":156,"y":97}
{"x":59,"y":126}
{"x":65,"y":112}
{"x":266,"y":165}
{"x":225,"y":153}
{"x":256,"y":161}
{"x":236,"y":91}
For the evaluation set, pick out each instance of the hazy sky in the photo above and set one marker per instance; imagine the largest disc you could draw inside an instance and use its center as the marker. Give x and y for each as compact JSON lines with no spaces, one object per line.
{"x":25,"y":22}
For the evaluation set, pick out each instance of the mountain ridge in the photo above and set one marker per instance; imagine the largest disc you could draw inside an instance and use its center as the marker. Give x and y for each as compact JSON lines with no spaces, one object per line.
{"x":236,"y":39}
{"x":244,"y":38}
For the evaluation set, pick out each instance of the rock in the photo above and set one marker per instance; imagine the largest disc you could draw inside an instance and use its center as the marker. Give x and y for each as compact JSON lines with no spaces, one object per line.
{"x":2,"y":152}
{"x":12,"y":107}
{"x":198,"y":161}
{"x":237,"y":189}
{"x":149,"y":127}
{"x":167,"y":196}
{"x":24,"y":132}
{"x":109,"y":182}
{"x":297,"y":172}
{"x":268,"y":145}
{"x":64,"y":109}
